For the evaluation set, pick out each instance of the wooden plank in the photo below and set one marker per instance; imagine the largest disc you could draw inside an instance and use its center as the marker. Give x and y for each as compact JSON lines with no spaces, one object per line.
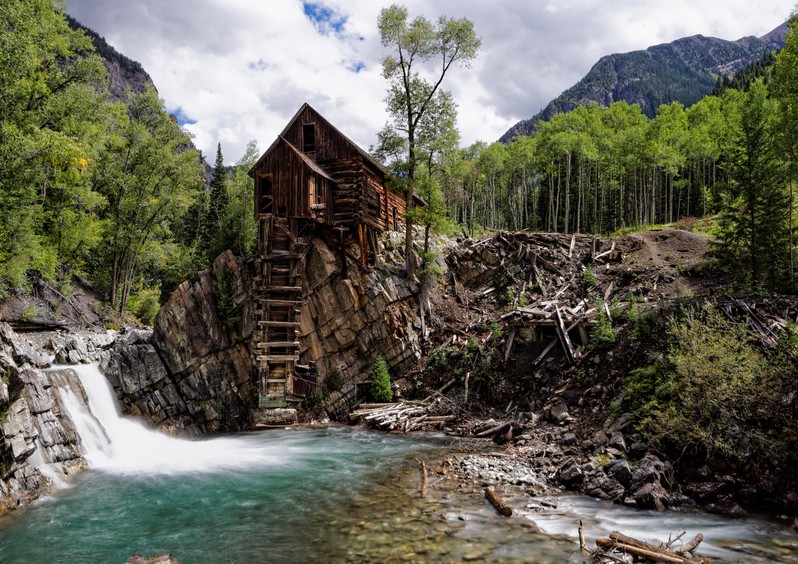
{"x":282,"y":289}
{"x":509,"y":348}
{"x":277,"y":357}
{"x":276,"y":344}
{"x":562,"y":333}
{"x":279,"y":323}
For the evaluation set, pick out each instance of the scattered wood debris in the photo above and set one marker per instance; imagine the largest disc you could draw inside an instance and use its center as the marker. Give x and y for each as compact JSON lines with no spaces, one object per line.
{"x":541,"y":275}
{"x":404,"y":416}
{"x":609,"y":549}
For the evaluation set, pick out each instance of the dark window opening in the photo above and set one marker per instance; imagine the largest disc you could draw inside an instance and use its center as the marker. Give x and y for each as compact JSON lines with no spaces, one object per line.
{"x":265,"y":202}
{"x":395,"y":222}
{"x":309,"y":137}
{"x":379,"y":207}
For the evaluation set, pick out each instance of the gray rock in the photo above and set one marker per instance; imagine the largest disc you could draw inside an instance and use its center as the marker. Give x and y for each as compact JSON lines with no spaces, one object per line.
{"x":617,"y":441}
{"x":651,"y":482}
{"x":559,"y":413}
{"x":620,"y":470}
{"x":569,"y":473}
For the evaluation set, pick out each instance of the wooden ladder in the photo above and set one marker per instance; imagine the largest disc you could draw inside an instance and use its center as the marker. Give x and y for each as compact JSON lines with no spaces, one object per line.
{"x":280,"y":267}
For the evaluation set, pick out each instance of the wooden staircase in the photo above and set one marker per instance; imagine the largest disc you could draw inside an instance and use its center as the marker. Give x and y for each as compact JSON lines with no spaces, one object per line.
{"x":280,"y":266}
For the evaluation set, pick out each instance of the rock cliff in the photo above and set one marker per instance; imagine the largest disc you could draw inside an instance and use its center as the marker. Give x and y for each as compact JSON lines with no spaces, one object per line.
{"x":36,"y":433}
{"x":193,"y":374}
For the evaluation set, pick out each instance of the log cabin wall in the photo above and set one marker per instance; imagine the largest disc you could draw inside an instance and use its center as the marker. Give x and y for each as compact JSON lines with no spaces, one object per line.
{"x":290,"y":179}
{"x":314,"y":172}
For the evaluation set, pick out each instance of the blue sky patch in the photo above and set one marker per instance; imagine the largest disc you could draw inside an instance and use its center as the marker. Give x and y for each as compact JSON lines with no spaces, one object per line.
{"x":182,"y":118}
{"x":325,"y":19}
{"x":356,"y":66}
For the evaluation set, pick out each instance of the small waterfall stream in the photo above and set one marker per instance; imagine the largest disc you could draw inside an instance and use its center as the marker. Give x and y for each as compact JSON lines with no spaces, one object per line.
{"x":331,"y":495}
{"x":121,"y":445}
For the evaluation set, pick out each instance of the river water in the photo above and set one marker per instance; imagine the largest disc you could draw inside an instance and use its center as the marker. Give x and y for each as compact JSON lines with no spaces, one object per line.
{"x":304,"y":495}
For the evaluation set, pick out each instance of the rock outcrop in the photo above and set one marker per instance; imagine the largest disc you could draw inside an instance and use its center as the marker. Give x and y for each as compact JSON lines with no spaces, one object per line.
{"x":347,"y":323}
{"x":193,"y":373}
{"x":36,"y":433}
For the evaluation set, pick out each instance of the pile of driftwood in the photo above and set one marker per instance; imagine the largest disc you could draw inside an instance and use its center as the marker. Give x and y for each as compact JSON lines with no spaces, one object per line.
{"x":404,"y":416}
{"x":672,"y":552}
{"x":765,"y":318}
{"x":543,"y":275}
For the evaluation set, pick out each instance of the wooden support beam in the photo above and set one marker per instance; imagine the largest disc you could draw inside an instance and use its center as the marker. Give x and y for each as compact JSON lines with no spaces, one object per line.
{"x":562,"y":333}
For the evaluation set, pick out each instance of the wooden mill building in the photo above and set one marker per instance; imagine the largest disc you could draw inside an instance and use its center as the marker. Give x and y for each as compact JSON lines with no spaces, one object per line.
{"x":311,"y":180}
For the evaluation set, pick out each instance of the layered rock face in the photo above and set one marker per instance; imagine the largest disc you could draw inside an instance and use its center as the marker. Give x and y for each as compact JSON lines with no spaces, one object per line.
{"x":347,"y":323}
{"x":35,"y":428}
{"x":193,"y":374}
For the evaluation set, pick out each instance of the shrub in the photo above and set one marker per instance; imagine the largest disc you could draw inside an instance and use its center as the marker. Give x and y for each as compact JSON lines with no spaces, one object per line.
{"x":144,"y":304}
{"x":589,"y":277}
{"x":381,"y":382}
{"x":713,"y":391}
{"x":603,"y":335}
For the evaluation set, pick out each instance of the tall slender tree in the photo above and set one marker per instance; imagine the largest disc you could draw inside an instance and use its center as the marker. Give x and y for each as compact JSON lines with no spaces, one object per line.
{"x":412,"y":96}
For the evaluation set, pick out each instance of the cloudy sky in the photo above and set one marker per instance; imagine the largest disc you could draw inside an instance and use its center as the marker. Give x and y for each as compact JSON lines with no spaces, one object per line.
{"x":235,"y":70}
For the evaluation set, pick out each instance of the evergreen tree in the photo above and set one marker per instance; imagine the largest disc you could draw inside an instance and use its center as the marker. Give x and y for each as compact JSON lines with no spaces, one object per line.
{"x":215,"y":232}
{"x":754,"y":225}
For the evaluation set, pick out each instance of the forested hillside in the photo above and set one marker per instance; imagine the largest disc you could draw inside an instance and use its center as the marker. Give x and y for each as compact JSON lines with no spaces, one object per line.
{"x":683,"y":71}
{"x":95,"y":187}
{"x":602,"y":169}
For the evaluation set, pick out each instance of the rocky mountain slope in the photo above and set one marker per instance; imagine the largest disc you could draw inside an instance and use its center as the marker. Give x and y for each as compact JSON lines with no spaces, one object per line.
{"x":684,"y":70}
{"x":123,"y":73}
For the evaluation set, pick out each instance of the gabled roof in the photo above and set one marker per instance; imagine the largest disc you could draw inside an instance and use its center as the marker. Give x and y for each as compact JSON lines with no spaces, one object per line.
{"x":306,"y":159}
{"x":362,"y":153}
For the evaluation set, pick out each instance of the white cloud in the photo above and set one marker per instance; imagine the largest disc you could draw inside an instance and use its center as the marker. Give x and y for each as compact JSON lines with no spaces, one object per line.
{"x":241,"y":68}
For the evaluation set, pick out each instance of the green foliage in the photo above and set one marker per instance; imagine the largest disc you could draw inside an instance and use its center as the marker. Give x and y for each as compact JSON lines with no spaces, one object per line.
{"x":422,"y":114}
{"x":334,"y":381}
{"x":713,"y":391}
{"x":603,"y":335}
{"x":381,"y":382}
{"x":144,"y":304}
{"x":589,"y":277}
{"x":224,"y":290}
{"x":495,"y":332}
{"x":508,"y":296}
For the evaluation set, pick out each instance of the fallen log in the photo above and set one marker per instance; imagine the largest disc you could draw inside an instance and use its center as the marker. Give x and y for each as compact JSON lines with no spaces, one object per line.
{"x":497,"y":502}
{"x":608,"y":544}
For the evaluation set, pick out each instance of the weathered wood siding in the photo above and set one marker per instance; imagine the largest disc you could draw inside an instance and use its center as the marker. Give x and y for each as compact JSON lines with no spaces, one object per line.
{"x":330,"y":144}
{"x":290,"y":178}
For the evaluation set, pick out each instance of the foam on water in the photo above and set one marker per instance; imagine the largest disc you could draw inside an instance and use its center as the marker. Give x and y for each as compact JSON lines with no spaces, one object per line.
{"x":122,"y":445}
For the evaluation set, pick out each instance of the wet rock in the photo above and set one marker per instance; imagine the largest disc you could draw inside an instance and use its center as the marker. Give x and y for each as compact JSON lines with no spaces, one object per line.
{"x":620,"y":470}
{"x":569,"y":473}
{"x":651,"y":482}
{"x":599,"y":484}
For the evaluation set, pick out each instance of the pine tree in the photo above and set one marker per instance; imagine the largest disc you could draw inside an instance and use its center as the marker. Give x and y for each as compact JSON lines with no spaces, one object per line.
{"x":756,"y":215}
{"x":214,"y":240}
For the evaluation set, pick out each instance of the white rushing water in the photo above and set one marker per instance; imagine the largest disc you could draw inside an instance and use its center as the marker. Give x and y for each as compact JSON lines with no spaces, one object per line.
{"x":122,"y":445}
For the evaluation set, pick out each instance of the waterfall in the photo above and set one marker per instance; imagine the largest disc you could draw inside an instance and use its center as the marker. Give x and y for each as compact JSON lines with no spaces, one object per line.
{"x":122,"y":445}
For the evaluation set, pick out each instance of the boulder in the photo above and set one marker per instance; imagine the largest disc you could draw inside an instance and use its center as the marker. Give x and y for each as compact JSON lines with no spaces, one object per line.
{"x":620,"y":471}
{"x":651,"y":482}
{"x":569,"y":473}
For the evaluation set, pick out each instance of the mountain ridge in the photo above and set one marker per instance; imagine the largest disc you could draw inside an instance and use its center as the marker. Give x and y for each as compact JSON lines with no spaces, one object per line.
{"x":684,"y":70}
